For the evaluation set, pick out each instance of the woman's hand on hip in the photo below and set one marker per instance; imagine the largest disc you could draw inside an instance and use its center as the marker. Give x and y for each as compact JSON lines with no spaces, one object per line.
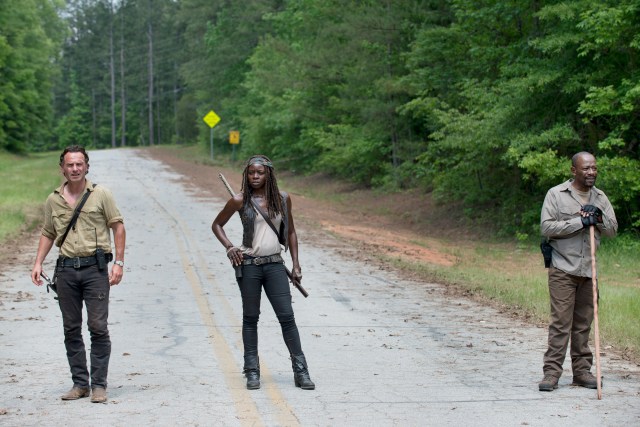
{"x":235,"y":256}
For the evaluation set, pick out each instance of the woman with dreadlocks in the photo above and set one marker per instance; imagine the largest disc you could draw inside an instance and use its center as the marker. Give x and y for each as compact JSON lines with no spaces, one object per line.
{"x":262,"y":265}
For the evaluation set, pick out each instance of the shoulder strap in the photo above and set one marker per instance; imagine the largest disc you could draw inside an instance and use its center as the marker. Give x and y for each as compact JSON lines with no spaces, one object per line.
{"x":76,"y":213}
{"x":266,"y":218}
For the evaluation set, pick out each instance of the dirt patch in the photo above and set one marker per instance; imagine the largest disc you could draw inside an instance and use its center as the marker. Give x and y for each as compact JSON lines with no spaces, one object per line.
{"x":389,"y":242}
{"x":20,"y":249}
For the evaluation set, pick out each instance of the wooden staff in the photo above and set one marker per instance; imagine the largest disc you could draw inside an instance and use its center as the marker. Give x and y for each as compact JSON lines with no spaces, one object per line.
{"x":594,"y":281}
{"x":294,"y":280}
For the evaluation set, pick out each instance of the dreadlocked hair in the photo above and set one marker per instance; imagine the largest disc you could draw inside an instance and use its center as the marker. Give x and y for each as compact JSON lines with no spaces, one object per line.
{"x":272,"y":193}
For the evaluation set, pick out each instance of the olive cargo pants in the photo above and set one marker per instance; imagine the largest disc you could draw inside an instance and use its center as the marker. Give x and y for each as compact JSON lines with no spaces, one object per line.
{"x":571,"y":300}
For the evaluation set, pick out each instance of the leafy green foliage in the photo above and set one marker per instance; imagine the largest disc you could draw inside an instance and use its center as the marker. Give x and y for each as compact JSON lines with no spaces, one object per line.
{"x":72,"y":127}
{"x":30,"y":33}
{"x":540,"y":86}
{"x":620,"y":176}
{"x":482,"y":103}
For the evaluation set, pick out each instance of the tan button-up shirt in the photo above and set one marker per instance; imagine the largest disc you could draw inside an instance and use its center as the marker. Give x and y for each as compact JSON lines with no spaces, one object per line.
{"x":91,"y":230}
{"x":560,"y":222}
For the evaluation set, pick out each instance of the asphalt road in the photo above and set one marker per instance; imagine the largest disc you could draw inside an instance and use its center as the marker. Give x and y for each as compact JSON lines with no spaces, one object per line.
{"x":381,"y":350}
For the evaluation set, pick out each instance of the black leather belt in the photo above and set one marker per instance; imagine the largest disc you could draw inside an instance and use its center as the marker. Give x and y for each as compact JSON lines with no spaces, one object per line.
{"x":262,"y":260}
{"x":81,"y":261}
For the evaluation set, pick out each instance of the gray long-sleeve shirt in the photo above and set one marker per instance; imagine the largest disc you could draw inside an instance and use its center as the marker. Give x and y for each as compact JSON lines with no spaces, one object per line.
{"x":560,"y":222}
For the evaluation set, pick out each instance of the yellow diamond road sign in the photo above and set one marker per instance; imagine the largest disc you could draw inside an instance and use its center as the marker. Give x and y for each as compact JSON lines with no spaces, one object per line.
{"x":211,"y":119}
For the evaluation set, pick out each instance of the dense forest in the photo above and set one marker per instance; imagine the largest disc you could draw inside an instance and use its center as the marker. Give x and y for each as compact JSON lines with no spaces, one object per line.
{"x":480,"y":102}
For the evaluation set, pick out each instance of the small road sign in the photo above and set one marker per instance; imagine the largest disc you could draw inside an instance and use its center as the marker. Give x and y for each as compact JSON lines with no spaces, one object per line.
{"x":234,"y":137}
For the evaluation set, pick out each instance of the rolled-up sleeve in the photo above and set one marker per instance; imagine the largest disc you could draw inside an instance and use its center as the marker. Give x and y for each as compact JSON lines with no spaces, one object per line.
{"x":48,"y":230}
{"x":111,"y":212}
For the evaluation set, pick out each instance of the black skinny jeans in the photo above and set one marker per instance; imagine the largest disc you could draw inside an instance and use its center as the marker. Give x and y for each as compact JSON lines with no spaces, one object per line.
{"x":91,"y":285}
{"x":273,"y":278}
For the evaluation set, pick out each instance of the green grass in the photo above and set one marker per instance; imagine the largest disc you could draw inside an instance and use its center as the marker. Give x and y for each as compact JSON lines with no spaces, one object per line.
{"x":519,"y":288}
{"x":618,"y":258}
{"x":25,"y":182}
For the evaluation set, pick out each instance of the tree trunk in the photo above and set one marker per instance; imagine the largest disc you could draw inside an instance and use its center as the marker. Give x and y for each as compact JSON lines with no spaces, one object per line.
{"x":175,"y":103}
{"x":94,"y":118}
{"x":158,"y":128}
{"x":112,"y":73}
{"x":123,"y":99}
{"x":150,"y":80}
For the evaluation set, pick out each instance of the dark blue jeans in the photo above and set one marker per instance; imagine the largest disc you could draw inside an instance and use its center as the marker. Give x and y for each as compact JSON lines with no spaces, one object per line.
{"x":91,"y":285}
{"x":273,"y":278}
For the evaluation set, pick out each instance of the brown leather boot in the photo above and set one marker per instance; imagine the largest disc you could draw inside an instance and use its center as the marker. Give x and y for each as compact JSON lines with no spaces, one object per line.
{"x":98,"y":395}
{"x":76,"y":393}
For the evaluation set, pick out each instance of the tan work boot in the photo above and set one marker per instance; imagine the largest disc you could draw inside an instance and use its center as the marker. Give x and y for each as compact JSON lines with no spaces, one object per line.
{"x":76,"y":393}
{"x":98,"y":395}
{"x":548,"y":383}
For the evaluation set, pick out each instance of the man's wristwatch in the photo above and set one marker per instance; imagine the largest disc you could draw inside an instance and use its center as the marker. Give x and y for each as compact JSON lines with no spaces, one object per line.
{"x":118,"y":262}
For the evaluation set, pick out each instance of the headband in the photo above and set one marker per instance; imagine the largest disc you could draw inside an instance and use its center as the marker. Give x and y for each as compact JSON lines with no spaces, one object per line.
{"x":259,"y":161}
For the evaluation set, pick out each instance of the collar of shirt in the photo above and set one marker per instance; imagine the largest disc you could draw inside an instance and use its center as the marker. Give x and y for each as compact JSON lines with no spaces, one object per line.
{"x":88,"y":185}
{"x":567,"y":186}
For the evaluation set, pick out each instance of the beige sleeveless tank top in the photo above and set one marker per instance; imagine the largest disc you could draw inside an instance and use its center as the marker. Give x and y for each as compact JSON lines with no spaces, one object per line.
{"x":265,"y":241}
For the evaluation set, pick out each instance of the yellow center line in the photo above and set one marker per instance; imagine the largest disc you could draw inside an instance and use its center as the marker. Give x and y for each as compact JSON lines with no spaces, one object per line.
{"x":246,"y":408}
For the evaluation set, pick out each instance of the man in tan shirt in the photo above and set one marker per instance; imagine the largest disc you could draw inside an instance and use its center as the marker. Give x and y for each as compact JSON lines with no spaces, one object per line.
{"x":568,"y":211}
{"x":81,"y":273}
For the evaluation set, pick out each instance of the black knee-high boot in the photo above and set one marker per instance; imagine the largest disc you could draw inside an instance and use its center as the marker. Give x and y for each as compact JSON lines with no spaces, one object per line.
{"x":301,"y":373}
{"x":252,"y":371}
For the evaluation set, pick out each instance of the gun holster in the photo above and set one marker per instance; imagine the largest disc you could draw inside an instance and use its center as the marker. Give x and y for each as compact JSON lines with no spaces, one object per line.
{"x":547,"y":250}
{"x":101,"y":258}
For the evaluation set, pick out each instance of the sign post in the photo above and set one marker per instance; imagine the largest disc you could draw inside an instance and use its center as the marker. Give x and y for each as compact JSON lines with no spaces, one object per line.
{"x":211,"y":119}
{"x":234,"y":139}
